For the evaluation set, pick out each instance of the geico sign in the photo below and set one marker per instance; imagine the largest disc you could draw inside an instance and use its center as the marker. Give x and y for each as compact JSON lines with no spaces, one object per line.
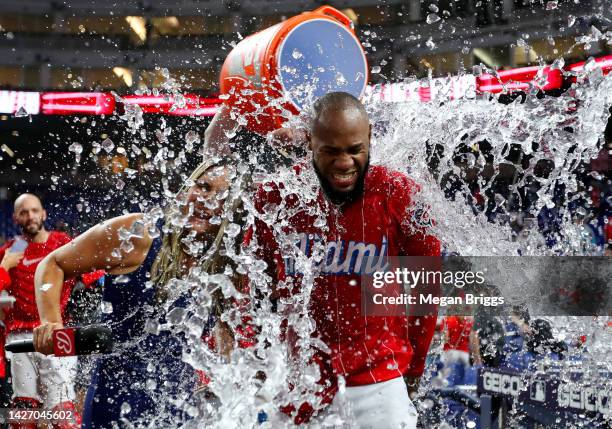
{"x":502,"y":383}
{"x":583,"y":398}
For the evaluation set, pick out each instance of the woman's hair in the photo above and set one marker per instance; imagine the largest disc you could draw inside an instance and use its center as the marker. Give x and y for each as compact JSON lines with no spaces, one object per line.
{"x":169,"y":260}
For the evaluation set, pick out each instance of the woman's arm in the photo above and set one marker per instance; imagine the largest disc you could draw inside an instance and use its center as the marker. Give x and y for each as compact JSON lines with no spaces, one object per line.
{"x":99,"y":248}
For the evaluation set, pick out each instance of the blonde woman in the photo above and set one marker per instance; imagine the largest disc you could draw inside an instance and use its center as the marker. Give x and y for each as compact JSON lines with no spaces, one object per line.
{"x":122,"y":383}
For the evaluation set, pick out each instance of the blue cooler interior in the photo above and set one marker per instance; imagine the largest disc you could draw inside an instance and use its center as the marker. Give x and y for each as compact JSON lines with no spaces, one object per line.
{"x":320,"y":56}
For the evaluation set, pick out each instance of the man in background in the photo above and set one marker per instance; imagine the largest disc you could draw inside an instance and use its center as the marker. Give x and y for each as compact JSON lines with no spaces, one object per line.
{"x":39,"y":381}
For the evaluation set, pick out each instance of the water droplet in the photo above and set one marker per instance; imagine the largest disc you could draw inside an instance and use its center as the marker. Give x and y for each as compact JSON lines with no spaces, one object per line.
{"x":376,"y":69}
{"x":108,"y":145}
{"x":232,"y":230}
{"x":571,"y":20}
{"x":433,"y":7}
{"x":153,"y":231}
{"x":558,"y":64}
{"x":137,"y":229}
{"x":590,"y":64}
{"x":126,"y":246}
{"x":151,"y":327}
{"x":125,"y":408}
{"x":340,"y":79}
{"x":551,"y":5}
{"x":76,"y":148}
{"x":107,"y":307}
{"x":430,"y":43}
{"x":320,"y":223}
{"x":230,"y":133}
{"x":296,"y":54}
{"x":431,"y":18}
{"x":122,"y":279}
{"x":45,"y":287}
{"x":191,"y":138}
{"x":176,"y":316}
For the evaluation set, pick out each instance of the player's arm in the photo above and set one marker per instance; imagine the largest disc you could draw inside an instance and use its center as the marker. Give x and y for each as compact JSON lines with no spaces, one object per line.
{"x":417,"y":241}
{"x":96,"y":249}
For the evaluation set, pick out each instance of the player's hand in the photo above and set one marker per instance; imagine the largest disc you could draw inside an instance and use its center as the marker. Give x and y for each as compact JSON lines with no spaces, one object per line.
{"x":413,"y":386}
{"x":11,"y":259}
{"x":289,"y":136}
{"x":43,"y":337}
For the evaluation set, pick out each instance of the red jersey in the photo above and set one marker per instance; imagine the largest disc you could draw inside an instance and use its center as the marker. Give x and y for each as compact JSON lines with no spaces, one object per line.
{"x":457,"y":333}
{"x":19,"y":282}
{"x":355,"y":238}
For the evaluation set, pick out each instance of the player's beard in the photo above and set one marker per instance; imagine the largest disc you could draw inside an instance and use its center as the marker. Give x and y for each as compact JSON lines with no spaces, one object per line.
{"x":32,"y":228}
{"x":338,"y":197}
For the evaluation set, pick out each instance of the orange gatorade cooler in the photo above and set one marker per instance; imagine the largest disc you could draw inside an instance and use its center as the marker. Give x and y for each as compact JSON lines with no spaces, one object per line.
{"x":283,"y":69}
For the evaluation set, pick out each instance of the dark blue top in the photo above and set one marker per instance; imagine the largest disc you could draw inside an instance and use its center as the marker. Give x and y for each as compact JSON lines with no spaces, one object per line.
{"x":145,"y":372}
{"x":129,"y":298}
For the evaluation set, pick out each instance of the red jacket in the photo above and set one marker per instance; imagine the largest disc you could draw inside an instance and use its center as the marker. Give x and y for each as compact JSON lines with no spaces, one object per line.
{"x":19,"y":282}
{"x":364,"y":349}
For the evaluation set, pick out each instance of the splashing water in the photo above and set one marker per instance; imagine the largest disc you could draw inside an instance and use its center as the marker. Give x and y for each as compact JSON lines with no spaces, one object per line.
{"x":521,"y":157}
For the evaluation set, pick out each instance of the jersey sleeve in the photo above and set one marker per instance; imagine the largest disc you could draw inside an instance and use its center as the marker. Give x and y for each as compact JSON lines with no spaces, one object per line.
{"x":416,"y":240}
{"x":414,"y":219}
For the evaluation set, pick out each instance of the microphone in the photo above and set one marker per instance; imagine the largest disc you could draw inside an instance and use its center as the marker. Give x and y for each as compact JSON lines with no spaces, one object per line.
{"x":82,"y":340}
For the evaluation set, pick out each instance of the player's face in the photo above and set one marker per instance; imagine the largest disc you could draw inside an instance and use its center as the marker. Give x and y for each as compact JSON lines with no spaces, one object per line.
{"x":340,"y":145}
{"x":30,"y":215}
{"x":205,"y":199}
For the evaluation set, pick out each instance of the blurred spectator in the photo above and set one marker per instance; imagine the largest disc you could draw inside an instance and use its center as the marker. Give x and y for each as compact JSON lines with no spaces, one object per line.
{"x":456,"y":331}
{"x":37,"y":380}
{"x":487,"y":338}
{"x":516,"y":327}
{"x":539,"y":344}
{"x":456,"y":350}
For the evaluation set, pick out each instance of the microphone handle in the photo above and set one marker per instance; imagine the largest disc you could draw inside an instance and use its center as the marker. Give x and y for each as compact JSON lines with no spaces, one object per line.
{"x":20,"y":346}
